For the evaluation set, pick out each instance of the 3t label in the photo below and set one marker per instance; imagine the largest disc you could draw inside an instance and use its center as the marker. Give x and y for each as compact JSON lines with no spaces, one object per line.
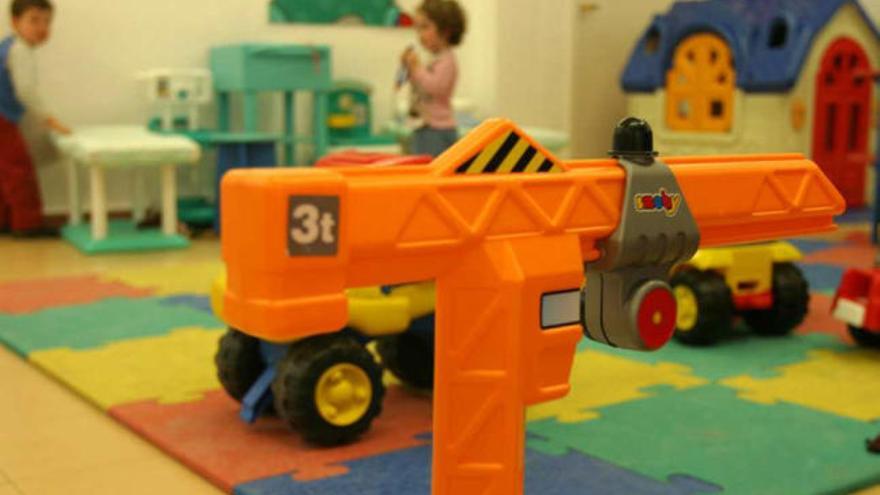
{"x":313,"y":225}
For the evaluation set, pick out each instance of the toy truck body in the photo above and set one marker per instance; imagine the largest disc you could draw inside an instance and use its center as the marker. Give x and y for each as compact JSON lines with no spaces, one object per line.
{"x":399,"y":319}
{"x":760,"y":282}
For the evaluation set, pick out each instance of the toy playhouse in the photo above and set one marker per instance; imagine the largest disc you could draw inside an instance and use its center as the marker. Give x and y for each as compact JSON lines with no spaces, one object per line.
{"x":731,"y":76}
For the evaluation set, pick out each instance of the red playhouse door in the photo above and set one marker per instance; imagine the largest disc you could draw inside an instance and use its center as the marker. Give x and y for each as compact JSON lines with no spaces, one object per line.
{"x":843,"y":108}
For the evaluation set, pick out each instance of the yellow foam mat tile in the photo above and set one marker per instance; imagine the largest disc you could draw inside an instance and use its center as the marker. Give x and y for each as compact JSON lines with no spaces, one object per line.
{"x":140,"y":477}
{"x":169,"y":279}
{"x":845,"y":383}
{"x":599,"y":379}
{"x":8,"y":489}
{"x":177,"y":367}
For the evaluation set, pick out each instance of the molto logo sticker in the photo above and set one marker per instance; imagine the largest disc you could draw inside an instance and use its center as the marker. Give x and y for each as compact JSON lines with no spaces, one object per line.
{"x":663,"y":201}
{"x":313,"y":225}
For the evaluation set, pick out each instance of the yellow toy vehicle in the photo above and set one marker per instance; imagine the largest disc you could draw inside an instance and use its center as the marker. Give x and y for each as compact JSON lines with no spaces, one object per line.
{"x":760,"y":282}
{"x":329,"y":388}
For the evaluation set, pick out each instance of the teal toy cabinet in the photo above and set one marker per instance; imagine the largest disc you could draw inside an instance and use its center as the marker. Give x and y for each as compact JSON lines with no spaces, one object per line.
{"x":252,"y":68}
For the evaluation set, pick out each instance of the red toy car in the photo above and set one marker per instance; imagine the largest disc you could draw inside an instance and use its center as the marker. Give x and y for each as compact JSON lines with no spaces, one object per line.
{"x":349,"y":158}
{"x":857,"y":303}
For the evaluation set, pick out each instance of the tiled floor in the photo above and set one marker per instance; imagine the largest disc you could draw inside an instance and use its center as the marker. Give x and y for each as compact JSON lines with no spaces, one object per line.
{"x":30,"y":259}
{"x":52,"y":441}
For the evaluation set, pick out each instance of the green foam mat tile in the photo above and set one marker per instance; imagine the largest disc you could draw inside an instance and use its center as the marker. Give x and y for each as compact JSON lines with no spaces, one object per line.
{"x":709,"y":433}
{"x":92,"y":325}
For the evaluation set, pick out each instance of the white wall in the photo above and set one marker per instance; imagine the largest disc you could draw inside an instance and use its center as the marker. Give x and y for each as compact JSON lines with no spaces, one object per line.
{"x":87,"y":69}
{"x":534,"y":79}
{"x":873,"y":8}
{"x":478,"y":56}
{"x":604,"y":38}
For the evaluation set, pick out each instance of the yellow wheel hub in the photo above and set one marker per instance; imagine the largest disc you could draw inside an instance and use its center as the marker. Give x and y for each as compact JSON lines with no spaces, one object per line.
{"x":343,"y":394}
{"x":688,"y":311}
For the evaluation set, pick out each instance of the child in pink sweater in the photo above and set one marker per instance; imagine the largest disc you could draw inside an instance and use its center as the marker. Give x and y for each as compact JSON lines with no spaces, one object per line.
{"x":440,"y":25}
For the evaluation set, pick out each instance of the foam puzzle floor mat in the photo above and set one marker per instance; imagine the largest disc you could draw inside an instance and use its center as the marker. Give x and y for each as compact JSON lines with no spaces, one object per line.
{"x":751,"y":415}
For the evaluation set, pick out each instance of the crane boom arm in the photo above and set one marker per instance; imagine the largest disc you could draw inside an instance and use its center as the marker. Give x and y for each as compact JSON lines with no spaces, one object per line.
{"x":411,"y":223}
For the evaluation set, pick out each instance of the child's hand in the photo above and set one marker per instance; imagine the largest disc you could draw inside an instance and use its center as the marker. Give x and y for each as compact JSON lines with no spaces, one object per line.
{"x":56,"y":125}
{"x":410,"y":59}
{"x":405,"y":54}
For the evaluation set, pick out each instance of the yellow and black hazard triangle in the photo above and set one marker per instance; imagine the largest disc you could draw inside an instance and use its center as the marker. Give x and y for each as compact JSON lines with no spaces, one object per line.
{"x":509,"y":153}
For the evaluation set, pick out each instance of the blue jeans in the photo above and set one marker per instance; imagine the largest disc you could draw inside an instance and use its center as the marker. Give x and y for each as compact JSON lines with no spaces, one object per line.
{"x":430,"y":141}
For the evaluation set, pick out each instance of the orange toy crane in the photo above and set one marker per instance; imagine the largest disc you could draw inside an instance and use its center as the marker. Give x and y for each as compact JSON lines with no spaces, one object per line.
{"x":505,"y":229}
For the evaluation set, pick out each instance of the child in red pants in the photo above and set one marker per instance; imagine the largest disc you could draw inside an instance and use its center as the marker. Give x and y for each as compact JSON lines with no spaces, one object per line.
{"x":21,"y":209}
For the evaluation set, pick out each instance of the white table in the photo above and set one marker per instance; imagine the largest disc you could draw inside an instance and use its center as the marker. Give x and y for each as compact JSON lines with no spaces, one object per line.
{"x":98,"y":148}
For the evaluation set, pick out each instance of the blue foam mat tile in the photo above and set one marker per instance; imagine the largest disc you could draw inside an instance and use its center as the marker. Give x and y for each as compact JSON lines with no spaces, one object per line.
{"x":407,"y":472}
{"x":855,"y":215}
{"x":810,"y":246}
{"x":822,"y":277}
{"x":194,"y":301}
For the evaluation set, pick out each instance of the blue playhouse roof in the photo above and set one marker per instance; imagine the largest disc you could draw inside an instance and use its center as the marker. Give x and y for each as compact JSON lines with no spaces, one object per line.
{"x":750,"y":27}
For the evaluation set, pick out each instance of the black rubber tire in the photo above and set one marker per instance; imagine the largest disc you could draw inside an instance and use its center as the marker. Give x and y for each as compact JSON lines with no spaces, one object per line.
{"x":239,"y":363}
{"x":409,"y":357}
{"x":297,"y":378}
{"x":714,"y":307}
{"x":791,"y":301}
{"x":864,"y":337}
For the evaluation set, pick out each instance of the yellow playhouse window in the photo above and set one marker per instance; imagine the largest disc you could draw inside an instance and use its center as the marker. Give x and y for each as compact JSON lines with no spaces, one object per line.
{"x":700,"y":84}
